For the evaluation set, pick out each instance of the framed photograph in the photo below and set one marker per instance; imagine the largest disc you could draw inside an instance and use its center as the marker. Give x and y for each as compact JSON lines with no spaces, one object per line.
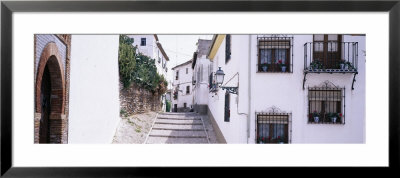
{"x":103,"y":88}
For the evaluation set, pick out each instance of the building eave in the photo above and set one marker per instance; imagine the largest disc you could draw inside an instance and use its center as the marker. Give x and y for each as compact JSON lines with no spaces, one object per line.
{"x":183,"y":64}
{"x":216,"y":43}
{"x":161,"y":48}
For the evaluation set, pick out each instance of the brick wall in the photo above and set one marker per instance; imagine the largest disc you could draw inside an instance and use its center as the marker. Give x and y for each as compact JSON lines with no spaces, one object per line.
{"x":138,"y":100}
{"x":57,"y":56}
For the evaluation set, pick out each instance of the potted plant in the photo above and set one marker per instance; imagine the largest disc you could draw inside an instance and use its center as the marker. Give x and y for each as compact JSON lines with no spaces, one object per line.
{"x":342,"y":64}
{"x":315,"y":115}
{"x":279,"y":140}
{"x":282,"y":65}
{"x":335,"y":117}
{"x":264,"y":67}
{"x":261,"y":140}
{"x":316,"y":64}
{"x":348,"y":65}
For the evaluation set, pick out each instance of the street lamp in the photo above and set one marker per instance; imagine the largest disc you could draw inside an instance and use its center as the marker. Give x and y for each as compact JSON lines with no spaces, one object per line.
{"x":219,"y":77}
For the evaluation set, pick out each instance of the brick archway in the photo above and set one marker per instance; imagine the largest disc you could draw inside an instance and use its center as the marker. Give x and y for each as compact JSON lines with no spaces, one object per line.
{"x":51,"y":58}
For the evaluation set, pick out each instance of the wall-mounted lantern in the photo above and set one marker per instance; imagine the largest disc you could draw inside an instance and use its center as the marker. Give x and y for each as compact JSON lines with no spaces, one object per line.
{"x":219,"y":76}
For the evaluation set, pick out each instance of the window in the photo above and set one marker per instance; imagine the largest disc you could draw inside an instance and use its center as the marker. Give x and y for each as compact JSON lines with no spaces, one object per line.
{"x":272,"y":128}
{"x":143,"y":42}
{"x":187,"y":70}
{"x":184,"y":105}
{"x":325,"y":105}
{"x":177,"y":75}
{"x":274,"y":54}
{"x":211,"y":83}
{"x":327,"y":50}
{"x":227,"y":48}
{"x":187,"y":89}
{"x":227,"y":107}
{"x":159,"y":58}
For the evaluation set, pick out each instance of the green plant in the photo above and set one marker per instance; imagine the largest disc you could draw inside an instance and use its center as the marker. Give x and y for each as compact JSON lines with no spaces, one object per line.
{"x":349,"y":65}
{"x":315,"y":114}
{"x":280,"y":63}
{"x":316,"y":64}
{"x":168,"y":106}
{"x":126,"y":60}
{"x":138,"y":68}
{"x":122,"y":112}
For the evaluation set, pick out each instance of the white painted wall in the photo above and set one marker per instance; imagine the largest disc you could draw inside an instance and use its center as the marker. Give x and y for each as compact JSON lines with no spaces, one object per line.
{"x":284,"y":90}
{"x":183,"y":81}
{"x":94,"y":92}
{"x":234,"y":131}
{"x":201,"y":74}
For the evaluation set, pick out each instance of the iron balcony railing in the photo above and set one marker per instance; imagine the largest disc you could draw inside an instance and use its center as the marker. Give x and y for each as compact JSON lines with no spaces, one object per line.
{"x":331,"y":57}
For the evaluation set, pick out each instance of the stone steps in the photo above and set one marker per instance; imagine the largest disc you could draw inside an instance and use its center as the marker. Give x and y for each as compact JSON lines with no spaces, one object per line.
{"x":169,"y":140}
{"x":179,"y":133}
{"x":179,"y":122}
{"x":167,"y":126}
{"x":177,"y":128}
{"x":179,"y":118}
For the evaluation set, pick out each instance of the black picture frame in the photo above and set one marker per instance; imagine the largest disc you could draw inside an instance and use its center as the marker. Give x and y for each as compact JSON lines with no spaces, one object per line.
{"x":8,"y":7}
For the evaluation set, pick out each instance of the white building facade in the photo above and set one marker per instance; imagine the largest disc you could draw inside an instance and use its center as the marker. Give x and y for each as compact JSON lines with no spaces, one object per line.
{"x":201,"y":69}
{"x":288,"y":88}
{"x":150,"y":45}
{"x":182,"y":94}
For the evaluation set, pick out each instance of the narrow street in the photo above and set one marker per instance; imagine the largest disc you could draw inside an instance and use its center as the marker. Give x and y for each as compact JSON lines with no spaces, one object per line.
{"x":181,"y":128}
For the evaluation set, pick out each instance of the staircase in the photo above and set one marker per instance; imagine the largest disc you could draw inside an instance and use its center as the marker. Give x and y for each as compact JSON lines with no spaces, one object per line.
{"x":180,"y":128}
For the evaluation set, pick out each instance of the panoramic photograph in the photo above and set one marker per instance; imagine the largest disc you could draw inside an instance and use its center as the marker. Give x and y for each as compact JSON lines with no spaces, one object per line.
{"x":199,"y":89}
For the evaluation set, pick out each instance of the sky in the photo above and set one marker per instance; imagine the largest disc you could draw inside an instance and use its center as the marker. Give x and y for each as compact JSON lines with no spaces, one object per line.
{"x":179,"y":48}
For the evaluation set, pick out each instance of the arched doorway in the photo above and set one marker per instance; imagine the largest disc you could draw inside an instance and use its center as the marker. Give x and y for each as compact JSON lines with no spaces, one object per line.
{"x":50,"y":97}
{"x":45,"y":103}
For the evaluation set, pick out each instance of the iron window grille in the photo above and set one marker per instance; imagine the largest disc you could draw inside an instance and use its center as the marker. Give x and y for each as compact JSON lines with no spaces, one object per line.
{"x":273,"y":128}
{"x":275,"y":54}
{"x":227,"y":48}
{"x":326,"y":105}
{"x":187,"y":89}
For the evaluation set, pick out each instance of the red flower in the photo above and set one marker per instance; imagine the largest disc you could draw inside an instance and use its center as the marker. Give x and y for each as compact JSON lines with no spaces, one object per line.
{"x":279,"y":61}
{"x":340,"y":114}
{"x":262,"y":138}
{"x":279,"y":137}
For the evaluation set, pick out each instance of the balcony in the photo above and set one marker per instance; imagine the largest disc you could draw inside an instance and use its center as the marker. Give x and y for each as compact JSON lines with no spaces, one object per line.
{"x":331,"y":57}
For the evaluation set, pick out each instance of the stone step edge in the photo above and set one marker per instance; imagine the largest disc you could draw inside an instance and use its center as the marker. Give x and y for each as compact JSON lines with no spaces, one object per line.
{"x":166,"y":118}
{"x":169,"y":136}
{"x":178,"y":123}
{"x":179,"y":129}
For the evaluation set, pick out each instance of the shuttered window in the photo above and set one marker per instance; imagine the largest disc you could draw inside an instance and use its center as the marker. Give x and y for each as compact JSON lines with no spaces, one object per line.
{"x":227,"y":48}
{"x":227,"y":107}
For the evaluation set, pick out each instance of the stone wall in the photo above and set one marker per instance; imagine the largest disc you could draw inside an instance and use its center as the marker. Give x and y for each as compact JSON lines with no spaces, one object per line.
{"x":138,"y":100}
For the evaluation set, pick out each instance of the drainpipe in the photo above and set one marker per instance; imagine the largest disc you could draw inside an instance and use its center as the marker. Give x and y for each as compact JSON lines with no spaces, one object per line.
{"x":249,"y":90}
